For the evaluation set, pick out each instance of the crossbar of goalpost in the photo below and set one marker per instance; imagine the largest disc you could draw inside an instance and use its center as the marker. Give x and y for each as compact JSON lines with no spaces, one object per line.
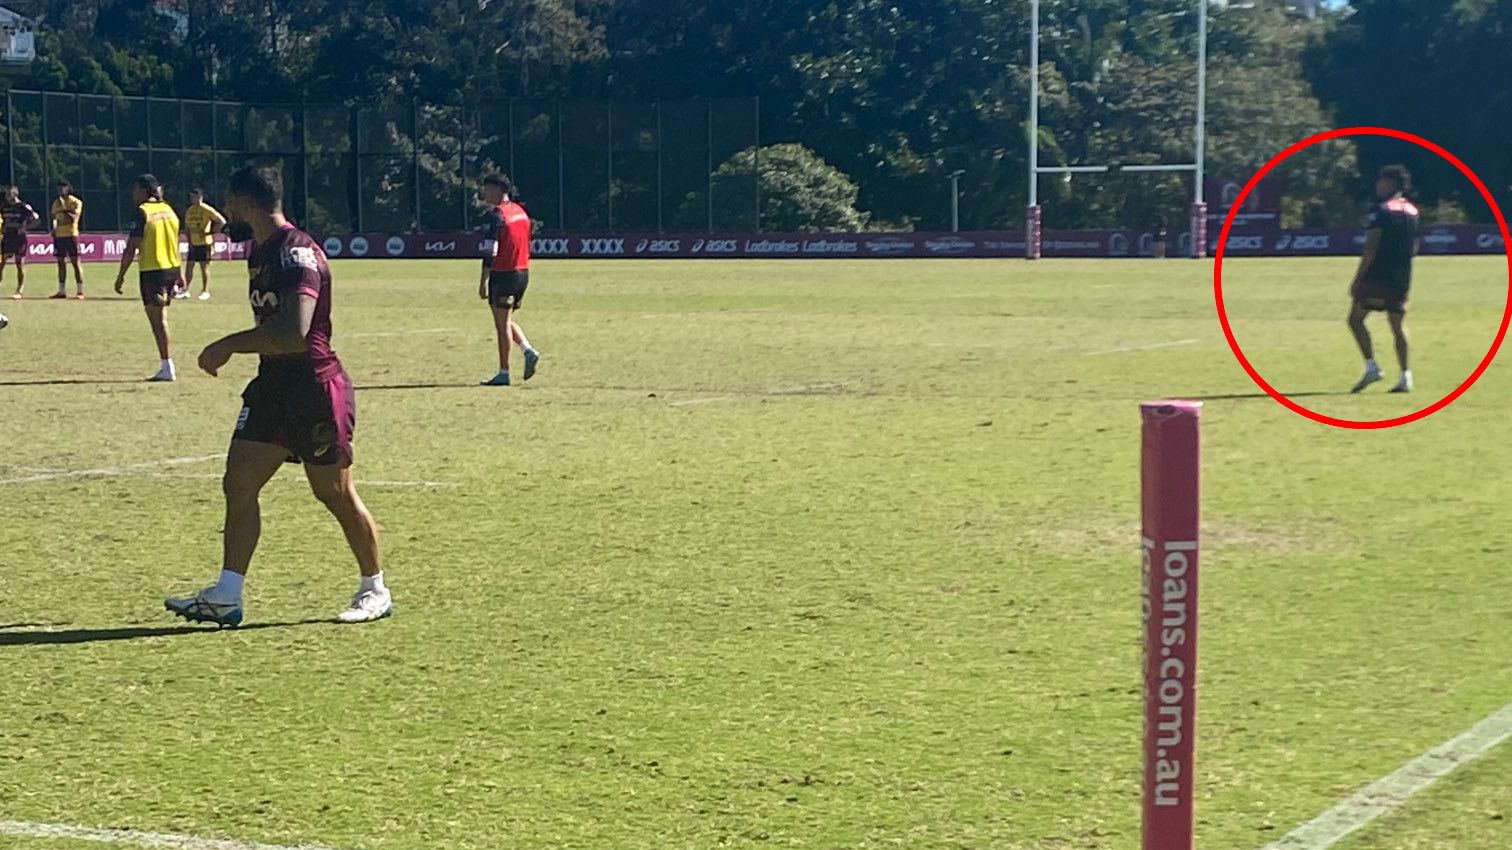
{"x":1196,"y":211}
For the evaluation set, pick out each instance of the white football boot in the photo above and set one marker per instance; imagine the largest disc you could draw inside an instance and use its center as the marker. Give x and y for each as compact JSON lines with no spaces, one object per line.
{"x":368,"y":605}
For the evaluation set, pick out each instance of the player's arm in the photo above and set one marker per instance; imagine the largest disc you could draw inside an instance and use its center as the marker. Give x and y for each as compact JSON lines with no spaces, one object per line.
{"x":1367,"y":257}
{"x":217,"y":220}
{"x":31,"y":215}
{"x":282,"y":333}
{"x":133,"y":243}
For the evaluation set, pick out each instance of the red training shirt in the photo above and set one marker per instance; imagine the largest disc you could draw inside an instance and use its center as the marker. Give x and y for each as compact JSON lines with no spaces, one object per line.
{"x":513,"y":254}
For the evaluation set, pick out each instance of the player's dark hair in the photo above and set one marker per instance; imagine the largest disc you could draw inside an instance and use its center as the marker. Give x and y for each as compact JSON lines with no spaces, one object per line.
{"x":197,"y":191}
{"x":505,"y":185}
{"x":150,"y":185}
{"x":1399,"y":175}
{"x":263,"y":185}
{"x":64,"y":184}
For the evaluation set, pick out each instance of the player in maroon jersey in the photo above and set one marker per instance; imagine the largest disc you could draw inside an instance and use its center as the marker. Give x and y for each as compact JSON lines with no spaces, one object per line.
{"x":299,"y":409}
{"x":508,"y":274}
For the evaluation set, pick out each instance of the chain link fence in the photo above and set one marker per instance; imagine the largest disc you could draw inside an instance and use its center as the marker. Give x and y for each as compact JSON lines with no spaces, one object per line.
{"x":399,"y":167}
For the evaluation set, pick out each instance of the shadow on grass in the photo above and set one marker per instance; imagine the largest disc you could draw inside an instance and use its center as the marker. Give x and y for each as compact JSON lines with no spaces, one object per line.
{"x":68,"y":636}
{"x":415,"y":387}
{"x":57,"y":382}
{"x":1239,"y":396}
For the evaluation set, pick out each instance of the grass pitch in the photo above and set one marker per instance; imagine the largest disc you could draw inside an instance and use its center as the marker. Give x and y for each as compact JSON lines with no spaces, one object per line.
{"x":828,"y":555}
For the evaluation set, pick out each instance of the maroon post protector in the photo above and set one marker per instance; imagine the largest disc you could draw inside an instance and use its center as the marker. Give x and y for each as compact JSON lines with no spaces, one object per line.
{"x":1032,"y":232}
{"x":1169,"y":474}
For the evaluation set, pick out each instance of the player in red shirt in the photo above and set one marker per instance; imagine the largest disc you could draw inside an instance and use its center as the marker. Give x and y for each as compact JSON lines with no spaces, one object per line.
{"x":508,"y":274}
{"x":299,"y":409}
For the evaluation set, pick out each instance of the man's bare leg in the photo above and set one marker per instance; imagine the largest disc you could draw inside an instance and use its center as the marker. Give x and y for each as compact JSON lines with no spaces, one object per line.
{"x":1372,"y":374}
{"x":1399,"y":333}
{"x":335,"y":488}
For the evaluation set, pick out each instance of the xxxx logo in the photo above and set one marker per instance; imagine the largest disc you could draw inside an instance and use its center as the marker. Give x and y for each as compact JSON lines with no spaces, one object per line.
{"x":550,"y":247}
{"x":602,"y":247}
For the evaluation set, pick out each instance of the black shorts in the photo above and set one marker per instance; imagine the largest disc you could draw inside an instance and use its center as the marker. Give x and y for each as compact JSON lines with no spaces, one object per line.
{"x":506,"y":290}
{"x":157,"y":286}
{"x":13,"y":246}
{"x":292,"y":406}
{"x":199,"y":253}
{"x":1369,"y":297}
{"x":65,"y":247}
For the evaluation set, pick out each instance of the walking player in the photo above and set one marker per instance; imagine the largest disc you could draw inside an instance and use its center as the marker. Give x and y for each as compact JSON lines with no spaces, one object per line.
{"x":202,"y":221}
{"x":1385,"y":273}
{"x":155,"y":233}
{"x":299,"y":409}
{"x":508,"y":276}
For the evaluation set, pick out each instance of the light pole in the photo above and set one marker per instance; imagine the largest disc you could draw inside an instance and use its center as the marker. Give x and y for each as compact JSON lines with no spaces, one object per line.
{"x":955,"y":200}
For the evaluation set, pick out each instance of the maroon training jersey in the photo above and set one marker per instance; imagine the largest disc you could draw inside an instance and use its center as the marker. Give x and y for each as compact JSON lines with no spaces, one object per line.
{"x":288,"y":265}
{"x":513,"y":254}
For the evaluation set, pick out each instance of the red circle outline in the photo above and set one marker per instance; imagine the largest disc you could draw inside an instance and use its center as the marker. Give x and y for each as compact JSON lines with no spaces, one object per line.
{"x":1228,"y":332}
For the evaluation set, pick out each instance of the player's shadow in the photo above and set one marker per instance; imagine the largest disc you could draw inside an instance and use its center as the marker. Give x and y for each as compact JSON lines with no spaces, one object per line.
{"x":451,"y":386}
{"x":1240,"y":396}
{"x":58,"y":382}
{"x":71,"y":636}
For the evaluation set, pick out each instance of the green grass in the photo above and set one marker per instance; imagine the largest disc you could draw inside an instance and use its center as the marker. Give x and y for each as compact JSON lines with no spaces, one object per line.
{"x":827,"y":555}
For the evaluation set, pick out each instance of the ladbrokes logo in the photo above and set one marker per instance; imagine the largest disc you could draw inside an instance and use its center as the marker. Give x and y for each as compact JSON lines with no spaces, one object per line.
{"x":889,"y":246}
{"x":602,"y":247}
{"x":771,"y":246}
{"x":830,"y":246}
{"x":551,"y":247}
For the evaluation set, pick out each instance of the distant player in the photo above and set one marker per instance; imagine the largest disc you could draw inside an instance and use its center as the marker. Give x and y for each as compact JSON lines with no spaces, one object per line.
{"x":1385,"y":272}
{"x":67,"y":217}
{"x":299,"y":409}
{"x":203,"y":222}
{"x":155,"y":233}
{"x":16,"y":215}
{"x":507,"y":276}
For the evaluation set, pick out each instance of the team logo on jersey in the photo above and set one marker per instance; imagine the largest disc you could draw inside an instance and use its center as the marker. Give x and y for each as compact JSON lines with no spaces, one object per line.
{"x":301,"y":257}
{"x":263,"y":299}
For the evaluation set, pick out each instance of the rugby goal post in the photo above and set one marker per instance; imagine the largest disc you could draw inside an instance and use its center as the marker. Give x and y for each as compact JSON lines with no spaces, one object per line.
{"x":1196,"y":211}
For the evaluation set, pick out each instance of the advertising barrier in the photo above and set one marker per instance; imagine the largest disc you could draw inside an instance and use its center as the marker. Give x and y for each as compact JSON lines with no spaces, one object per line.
{"x":1441,"y":239}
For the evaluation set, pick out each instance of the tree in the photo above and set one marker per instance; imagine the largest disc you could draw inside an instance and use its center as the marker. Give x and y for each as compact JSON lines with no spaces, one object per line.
{"x":798,"y":191}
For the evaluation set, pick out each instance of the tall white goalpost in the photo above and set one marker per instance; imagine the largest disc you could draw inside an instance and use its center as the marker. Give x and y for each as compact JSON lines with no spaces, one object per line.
{"x":1197,"y":212}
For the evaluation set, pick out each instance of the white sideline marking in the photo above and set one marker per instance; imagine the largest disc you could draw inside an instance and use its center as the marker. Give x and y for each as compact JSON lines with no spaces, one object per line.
{"x":369,"y":334}
{"x":216,"y":476}
{"x":1388,"y":793}
{"x":1149,"y":347}
{"x":135,"y":838}
{"x":702,"y":401}
{"x":110,"y":471}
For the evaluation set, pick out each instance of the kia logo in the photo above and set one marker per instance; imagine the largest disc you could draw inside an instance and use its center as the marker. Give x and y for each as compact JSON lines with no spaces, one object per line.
{"x":395,"y":246}
{"x":602,"y":247}
{"x":359,"y":246}
{"x":332,"y":246}
{"x":440,"y":247}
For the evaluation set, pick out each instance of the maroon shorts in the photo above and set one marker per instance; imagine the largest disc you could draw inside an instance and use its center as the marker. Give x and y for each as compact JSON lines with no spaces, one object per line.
{"x":1370,"y":297}
{"x":312,"y":416}
{"x":157,"y":287}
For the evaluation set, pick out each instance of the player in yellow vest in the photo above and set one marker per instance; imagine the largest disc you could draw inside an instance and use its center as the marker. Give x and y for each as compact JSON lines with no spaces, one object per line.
{"x":202,"y":221}
{"x":67,"y":213}
{"x":155,"y":233}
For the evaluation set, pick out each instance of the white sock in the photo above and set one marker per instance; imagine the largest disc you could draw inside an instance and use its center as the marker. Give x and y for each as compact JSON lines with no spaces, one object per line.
{"x":525,"y":344}
{"x":372,"y":582}
{"x":1407,"y":374}
{"x":1371,"y":365}
{"x":228,"y":588}
{"x":167,"y":365}
{"x":62,"y":287}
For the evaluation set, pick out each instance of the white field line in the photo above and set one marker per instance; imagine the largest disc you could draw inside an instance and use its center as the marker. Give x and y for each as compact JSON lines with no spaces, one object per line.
{"x":136,"y":839}
{"x":1150,"y":347}
{"x":693,"y":401}
{"x":110,"y":471}
{"x":371,"y":334}
{"x":1389,"y":793}
{"x":216,"y":476}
